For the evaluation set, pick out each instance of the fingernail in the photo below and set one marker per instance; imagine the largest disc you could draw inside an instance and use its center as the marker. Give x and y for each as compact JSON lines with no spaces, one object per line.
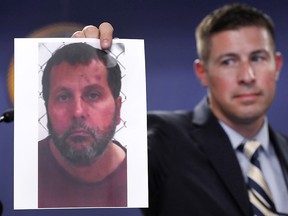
{"x":105,"y":43}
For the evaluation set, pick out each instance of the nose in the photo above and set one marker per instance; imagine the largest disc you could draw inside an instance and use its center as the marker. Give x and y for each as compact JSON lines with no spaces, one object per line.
{"x":79,"y":109}
{"x":246,"y":73}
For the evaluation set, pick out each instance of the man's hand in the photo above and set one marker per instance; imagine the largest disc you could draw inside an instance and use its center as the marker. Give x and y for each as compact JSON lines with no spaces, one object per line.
{"x":104,"y":33}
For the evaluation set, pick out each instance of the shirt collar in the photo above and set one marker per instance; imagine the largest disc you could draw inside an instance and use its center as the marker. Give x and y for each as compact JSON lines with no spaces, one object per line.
{"x":236,"y":139}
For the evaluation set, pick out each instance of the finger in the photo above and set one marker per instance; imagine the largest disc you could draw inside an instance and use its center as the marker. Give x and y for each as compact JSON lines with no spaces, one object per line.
{"x":106,"y":35}
{"x":91,"y":31}
{"x":78,"y":34}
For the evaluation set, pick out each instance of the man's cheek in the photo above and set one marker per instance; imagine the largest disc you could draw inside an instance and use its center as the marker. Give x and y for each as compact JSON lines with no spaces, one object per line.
{"x":60,"y":125}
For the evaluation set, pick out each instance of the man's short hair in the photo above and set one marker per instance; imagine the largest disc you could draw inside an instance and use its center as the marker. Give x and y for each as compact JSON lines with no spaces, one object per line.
{"x":82,"y":53}
{"x":230,"y":17}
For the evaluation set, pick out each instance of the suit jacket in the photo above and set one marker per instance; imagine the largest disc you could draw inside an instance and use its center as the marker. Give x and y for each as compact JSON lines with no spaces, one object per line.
{"x":193,"y":169}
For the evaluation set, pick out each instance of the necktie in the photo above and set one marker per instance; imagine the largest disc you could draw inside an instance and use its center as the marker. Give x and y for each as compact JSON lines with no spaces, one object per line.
{"x":259,"y":194}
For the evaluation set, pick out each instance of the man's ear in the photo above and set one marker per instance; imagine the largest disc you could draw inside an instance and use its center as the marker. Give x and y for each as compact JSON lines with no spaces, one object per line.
{"x":279,"y":63}
{"x":200,"y":71}
{"x":118,"y":102}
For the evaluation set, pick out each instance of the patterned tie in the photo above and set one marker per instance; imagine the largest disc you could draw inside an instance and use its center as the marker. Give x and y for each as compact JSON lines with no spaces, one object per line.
{"x":259,"y":194}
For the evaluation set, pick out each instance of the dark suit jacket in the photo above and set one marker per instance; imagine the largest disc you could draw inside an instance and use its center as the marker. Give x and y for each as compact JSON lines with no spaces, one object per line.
{"x":193,"y":169}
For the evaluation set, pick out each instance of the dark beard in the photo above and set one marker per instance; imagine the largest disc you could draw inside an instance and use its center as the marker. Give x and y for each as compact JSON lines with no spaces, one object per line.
{"x":87,"y":154}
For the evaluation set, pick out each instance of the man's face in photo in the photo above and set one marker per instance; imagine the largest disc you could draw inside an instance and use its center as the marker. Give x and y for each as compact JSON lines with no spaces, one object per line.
{"x":82,"y":112}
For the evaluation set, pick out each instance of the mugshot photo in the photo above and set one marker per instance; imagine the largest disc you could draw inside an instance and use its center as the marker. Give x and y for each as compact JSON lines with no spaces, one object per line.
{"x":85,"y":125}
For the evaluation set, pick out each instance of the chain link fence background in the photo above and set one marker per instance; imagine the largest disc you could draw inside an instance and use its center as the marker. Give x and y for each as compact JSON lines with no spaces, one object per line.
{"x":46,"y":50}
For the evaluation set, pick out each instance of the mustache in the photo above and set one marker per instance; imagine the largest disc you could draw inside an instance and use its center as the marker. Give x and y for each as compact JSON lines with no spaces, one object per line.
{"x":79,"y":126}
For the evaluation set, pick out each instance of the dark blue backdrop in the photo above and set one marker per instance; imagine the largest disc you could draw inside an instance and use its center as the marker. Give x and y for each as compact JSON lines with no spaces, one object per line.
{"x":168,"y":30}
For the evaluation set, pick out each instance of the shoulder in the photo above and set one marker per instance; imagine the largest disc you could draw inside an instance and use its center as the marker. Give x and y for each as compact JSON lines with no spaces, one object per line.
{"x":280,"y":142}
{"x":166,"y":126}
{"x":278,"y":137}
{"x":168,"y":134}
{"x":170,"y":115}
{"x":43,"y":144}
{"x":44,"y":153}
{"x":171,"y":119}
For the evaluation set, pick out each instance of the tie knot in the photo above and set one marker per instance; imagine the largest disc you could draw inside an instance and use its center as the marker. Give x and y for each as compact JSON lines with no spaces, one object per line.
{"x":250,"y":149}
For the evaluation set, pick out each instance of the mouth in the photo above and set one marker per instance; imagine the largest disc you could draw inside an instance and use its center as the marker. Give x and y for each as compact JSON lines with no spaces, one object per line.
{"x":79,"y":137}
{"x":248,"y":97}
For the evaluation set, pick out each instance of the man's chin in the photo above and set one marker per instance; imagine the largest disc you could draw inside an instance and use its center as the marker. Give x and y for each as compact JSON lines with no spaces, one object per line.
{"x":80,"y":147}
{"x":81,"y":153}
{"x":81,"y":156}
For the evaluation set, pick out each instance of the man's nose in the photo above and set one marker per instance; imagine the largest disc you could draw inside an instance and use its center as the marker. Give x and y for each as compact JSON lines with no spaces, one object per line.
{"x":246,"y":73}
{"x":79,"y":108}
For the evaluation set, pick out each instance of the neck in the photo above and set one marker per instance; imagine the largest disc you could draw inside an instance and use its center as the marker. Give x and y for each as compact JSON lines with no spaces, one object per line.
{"x":106,"y":164}
{"x":247,"y":129}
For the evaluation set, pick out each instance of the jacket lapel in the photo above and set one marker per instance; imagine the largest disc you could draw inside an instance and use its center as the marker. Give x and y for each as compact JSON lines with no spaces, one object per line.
{"x":215,"y":143}
{"x":281,"y":147}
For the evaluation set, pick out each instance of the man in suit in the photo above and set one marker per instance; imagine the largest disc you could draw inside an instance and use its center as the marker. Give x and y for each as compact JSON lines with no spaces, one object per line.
{"x":196,"y":165}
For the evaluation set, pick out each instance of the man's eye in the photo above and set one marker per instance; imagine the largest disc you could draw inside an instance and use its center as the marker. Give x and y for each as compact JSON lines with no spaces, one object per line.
{"x":227,"y":62}
{"x":63,"y":98}
{"x":257,"y":58}
{"x":92,"y":96}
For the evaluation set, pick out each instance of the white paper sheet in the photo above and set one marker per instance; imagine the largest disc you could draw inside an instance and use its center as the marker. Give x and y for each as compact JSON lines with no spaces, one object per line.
{"x":30,"y":119}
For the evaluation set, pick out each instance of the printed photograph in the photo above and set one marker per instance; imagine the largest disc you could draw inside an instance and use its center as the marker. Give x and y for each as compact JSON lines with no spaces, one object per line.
{"x":86,"y":130}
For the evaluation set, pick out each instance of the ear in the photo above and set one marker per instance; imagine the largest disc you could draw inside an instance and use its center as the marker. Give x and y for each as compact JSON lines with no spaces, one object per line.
{"x":200,"y":71}
{"x":118,"y":103}
{"x":279,"y":63}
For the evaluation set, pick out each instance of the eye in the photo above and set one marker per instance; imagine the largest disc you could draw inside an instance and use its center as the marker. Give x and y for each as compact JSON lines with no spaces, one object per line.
{"x":227,"y":62}
{"x":63,"y":97}
{"x":257,"y":58}
{"x":92,"y":96}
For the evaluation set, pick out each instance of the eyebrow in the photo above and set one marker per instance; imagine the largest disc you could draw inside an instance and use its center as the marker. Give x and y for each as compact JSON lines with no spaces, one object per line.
{"x":260,"y":51}
{"x":88,"y":87}
{"x":60,"y":89}
{"x":93,"y":87}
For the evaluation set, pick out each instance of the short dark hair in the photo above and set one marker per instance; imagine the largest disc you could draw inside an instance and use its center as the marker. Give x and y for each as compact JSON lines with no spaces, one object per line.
{"x":82,"y":53}
{"x":230,"y":17}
